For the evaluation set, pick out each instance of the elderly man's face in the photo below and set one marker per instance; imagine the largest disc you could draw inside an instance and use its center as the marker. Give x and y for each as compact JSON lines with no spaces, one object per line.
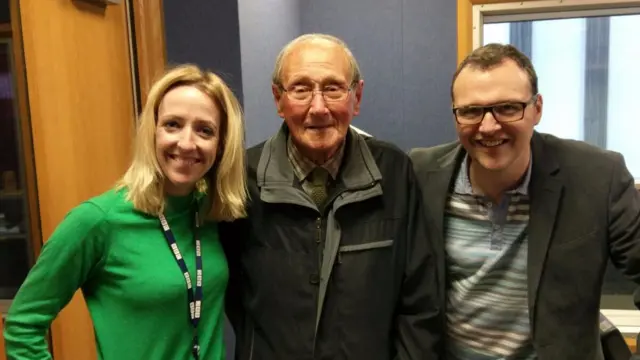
{"x":318,"y":125}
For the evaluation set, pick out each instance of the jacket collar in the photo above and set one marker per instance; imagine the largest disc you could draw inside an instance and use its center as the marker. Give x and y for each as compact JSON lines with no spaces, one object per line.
{"x":358,"y":166}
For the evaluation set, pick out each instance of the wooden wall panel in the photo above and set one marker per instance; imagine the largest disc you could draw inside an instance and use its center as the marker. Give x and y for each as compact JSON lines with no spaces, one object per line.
{"x":150,"y":43}
{"x":82,"y":117}
{"x":465,"y":29}
{"x":25,"y":128}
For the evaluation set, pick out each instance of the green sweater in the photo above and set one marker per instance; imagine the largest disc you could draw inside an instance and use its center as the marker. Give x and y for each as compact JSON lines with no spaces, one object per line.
{"x":134,"y":289}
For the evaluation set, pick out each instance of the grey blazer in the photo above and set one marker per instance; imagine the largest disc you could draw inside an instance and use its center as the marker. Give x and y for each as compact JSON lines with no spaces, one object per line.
{"x":584,"y":210}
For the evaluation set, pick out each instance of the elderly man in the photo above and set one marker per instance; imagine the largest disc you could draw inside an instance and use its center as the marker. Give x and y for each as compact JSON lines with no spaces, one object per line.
{"x":528,"y":220}
{"x":333,"y":261}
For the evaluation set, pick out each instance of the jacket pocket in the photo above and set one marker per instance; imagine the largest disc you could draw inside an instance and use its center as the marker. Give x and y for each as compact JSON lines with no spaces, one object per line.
{"x":362,"y":286}
{"x":348,"y":249}
{"x":577,"y":239}
{"x":366,"y":246}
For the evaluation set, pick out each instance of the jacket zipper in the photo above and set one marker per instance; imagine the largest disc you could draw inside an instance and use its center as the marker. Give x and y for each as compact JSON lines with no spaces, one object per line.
{"x":368,"y":186}
{"x":339,"y":258}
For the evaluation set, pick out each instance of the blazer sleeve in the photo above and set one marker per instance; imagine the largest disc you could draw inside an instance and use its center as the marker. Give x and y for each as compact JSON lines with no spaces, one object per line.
{"x":624,"y":221}
{"x":68,"y":258}
{"x":420,"y":319}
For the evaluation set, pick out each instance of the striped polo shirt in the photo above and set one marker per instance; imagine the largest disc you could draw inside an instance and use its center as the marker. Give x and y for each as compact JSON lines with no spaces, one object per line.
{"x":486,"y":244}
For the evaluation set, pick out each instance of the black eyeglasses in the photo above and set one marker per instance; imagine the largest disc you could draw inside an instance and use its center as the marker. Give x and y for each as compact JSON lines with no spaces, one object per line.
{"x":504,"y":112}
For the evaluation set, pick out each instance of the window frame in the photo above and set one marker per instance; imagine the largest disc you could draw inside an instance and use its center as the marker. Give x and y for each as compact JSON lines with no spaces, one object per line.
{"x":545,"y":9}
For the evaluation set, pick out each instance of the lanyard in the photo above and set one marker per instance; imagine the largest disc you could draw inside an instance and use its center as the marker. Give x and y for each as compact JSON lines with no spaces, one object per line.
{"x":194,"y":297}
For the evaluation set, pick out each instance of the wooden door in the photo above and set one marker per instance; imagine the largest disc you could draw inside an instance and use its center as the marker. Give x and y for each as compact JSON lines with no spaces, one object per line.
{"x":81,"y":103}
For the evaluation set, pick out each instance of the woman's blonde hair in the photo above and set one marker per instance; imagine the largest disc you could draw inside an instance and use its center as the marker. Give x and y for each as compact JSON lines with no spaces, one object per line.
{"x":224,"y":184}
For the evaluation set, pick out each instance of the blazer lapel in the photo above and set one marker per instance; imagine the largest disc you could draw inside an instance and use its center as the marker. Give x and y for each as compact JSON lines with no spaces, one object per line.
{"x":439,"y":182}
{"x":544,"y":193}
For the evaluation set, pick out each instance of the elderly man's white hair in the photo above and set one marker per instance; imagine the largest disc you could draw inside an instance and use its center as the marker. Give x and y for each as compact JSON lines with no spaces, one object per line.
{"x":354,"y":68}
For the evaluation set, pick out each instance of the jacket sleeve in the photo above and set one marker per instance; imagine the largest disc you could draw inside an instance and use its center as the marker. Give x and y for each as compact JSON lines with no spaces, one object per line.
{"x":67,"y":260}
{"x":232,"y":235}
{"x":624,"y":221}
{"x":420,"y":321}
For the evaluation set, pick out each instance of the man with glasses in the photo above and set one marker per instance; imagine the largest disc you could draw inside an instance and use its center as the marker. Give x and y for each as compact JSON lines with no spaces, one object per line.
{"x":333,"y":261}
{"x":528,"y":220}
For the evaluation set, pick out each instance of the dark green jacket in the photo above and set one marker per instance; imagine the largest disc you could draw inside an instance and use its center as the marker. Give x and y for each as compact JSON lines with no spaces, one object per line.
{"x":358,"y":279}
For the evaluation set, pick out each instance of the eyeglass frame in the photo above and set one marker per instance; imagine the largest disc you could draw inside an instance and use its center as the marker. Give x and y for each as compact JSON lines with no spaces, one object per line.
{"x":314,"y":91}
{"x":491,"y":108}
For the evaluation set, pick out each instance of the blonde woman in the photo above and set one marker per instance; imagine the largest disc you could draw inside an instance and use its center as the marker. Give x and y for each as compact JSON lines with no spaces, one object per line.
{"x":146,"y":254}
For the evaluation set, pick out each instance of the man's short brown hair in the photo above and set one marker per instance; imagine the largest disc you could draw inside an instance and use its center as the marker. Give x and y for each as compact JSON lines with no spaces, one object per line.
{"x":491,"y":55}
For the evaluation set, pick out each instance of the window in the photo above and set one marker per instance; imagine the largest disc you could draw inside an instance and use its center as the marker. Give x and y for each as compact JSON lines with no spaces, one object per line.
{"x":585,"y":55}
{"x":587,"y":77}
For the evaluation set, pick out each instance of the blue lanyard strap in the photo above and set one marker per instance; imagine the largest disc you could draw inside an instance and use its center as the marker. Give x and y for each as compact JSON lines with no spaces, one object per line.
{"x":194,"y":297}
